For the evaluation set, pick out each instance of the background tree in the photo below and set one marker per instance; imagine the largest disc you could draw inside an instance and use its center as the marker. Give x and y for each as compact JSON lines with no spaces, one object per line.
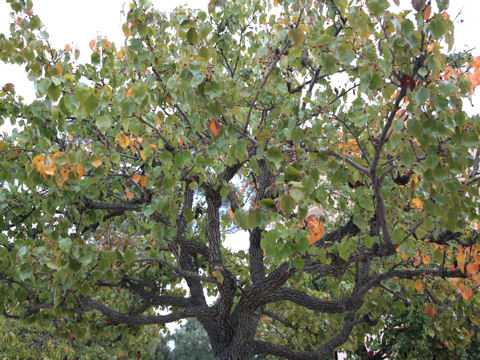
{"x":25,"y":340}
{"x":332,"y":131}
{"x":190,"y":341}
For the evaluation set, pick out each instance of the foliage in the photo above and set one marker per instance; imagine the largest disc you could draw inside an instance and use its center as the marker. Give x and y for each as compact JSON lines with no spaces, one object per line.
{"x":26,"y":340}
{"x":333,"y":132}
{"x":412,"y":335}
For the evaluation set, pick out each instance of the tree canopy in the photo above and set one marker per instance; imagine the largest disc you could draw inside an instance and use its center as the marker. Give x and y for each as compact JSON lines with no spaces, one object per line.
{"x":332,"y":132}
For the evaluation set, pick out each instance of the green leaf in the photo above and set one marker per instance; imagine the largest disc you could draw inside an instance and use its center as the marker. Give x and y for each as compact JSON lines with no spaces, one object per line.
{"x":192,"y":36}
{"x":103,"y":123}
{"x":287,"y":204}
{"x":446,"y":88}
{"x":53,"y":92}
{"x":421,"y":95}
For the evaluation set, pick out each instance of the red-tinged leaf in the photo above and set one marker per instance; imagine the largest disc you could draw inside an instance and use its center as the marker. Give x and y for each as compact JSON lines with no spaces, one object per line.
{"x":109,"y":322}
{"x":169,"y":100}
{"x":143,"y":181}
{"x":472,"y":268}
{"x":407,"y":80}
{"x":129,"y":194}
{"x":430,"y":311}
{"x":214,"y":127}
{"x":92,"y":44}
{"x":467,"y":294}
{"x":129,"y":93}
{"x":136,"y":178}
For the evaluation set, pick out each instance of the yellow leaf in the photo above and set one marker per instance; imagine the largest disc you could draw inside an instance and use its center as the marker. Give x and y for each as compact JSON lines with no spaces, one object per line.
{"x":96,"y":163}
{"x":143,"y":181}
{"x":129,"y":194}
{"x":80,"y":171}
{"x":126,"y":30}
{"x":142,"y":155}
{"x":136,"y":178}
{"x":124,"y":141}
{"x":418,"y":285}
{"x":214,"y":127}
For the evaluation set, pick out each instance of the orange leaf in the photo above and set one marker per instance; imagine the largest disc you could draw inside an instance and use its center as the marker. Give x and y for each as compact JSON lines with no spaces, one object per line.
{"x":129,"y":92}
{"x":143,"y":181}
{"x":80,"y":171}
{"x":180,"y":142}
{"x":39,"y":163}
{"x":467,"y":294}
{"x":169,"y":100}
{"x":64,"y":174}
{"x":67,"y":47}
{"x":275,"y":2}
{"x":316,"y":229}
{"x":59,"y":69}
{"x":70,"y":137}
{"x":129,"y":194}
{"x":417,"y":203}
{"x":404,"y":256}
{"x":214,"y":127}
{"x":136,"y":178}
{"x":446,"y":15}
{"x":476,"y":62}
{"x":427,"y":12}
{"x":92,"y":44}
{"x":426,"y":259}
{"x":96,"y":163}
{"x":142,"y":155}
{"x":418,"y":285}
{"x":472,"y":268}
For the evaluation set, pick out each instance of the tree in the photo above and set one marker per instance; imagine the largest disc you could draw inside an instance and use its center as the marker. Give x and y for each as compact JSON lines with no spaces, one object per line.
{"x":332,"y":131}
{"x":190,"y":341}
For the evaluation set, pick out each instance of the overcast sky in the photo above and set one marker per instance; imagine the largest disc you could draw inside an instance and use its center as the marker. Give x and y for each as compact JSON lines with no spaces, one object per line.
{"x":77,"y":22}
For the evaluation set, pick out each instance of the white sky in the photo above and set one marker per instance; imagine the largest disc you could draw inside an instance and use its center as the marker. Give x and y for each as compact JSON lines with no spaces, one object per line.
{"x":77,"y":22}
